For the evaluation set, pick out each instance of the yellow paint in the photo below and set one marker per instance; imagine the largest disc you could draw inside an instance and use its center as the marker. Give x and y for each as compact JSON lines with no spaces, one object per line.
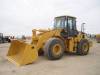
{"x":98,"y":38}
{"x":21,"y":53}
{"x":56,"y":49}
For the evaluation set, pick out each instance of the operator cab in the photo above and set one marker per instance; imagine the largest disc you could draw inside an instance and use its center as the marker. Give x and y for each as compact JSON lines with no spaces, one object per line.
{"x":67,"y":24}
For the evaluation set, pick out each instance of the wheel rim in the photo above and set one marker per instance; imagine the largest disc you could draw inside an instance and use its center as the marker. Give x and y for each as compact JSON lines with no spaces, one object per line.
{"x":56,"y":49}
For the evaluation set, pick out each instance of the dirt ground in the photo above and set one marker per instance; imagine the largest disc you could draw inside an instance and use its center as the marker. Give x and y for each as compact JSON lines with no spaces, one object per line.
{"x":68,"y":65}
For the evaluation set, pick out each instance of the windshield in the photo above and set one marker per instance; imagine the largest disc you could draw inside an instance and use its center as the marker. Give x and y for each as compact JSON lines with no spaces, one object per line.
{"x":59,"y":23}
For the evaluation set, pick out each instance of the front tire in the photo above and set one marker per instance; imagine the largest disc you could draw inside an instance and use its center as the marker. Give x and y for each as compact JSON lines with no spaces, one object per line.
{"x":54,"y":48}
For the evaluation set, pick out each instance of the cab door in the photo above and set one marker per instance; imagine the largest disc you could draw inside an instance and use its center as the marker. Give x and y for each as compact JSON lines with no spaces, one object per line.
{"x":71,"y":26}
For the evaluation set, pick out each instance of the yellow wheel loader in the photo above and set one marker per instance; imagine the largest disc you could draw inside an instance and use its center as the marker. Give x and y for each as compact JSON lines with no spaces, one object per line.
{"x":64,"y":37}
{"x":98,"y":38}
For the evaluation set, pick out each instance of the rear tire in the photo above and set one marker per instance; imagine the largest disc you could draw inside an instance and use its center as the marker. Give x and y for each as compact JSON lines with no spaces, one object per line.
{"x":83,"y":47}
{"x":54,"y":48}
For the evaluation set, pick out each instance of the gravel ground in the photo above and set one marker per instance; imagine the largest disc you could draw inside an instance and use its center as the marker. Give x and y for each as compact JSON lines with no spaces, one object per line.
{"x":70,"y":64}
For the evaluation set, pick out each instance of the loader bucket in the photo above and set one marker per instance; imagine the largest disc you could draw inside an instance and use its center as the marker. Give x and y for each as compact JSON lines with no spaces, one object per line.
{"x":21,"y":53}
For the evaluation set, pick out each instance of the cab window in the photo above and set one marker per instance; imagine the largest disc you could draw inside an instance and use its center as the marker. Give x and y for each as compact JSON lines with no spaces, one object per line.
{"x":70,"y":23}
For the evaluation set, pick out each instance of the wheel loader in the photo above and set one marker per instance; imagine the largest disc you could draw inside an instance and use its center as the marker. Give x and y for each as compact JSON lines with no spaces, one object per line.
{"x":98,"y":38}
{"x":63,"y":37}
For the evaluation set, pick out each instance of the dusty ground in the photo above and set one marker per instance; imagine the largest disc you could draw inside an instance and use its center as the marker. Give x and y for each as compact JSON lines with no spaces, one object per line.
{"x":68,"y":65}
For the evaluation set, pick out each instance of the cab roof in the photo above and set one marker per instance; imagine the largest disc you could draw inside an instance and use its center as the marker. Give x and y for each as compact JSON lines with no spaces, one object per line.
{"x":65,"y":16}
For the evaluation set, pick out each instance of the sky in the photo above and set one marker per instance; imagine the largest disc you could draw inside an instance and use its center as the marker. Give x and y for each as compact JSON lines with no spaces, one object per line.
{"x":19,"y":17}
